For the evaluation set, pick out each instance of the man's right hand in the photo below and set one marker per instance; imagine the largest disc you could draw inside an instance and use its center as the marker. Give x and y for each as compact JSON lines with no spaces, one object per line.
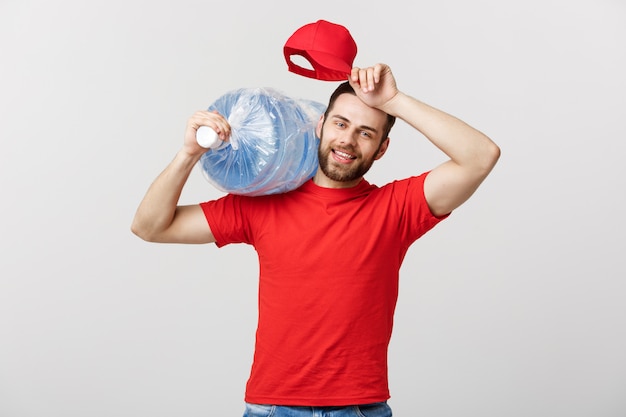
{"x":214,"y":120}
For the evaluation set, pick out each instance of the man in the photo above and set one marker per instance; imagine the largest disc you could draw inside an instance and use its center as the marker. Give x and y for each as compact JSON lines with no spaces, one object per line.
{"x":330,"y":251}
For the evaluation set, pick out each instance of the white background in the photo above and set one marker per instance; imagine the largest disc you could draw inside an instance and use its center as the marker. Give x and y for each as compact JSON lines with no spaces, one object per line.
{"x":514,"y":306}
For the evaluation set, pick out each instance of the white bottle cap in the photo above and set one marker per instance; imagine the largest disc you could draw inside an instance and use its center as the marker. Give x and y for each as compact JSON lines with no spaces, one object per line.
{"x":208,"y":138}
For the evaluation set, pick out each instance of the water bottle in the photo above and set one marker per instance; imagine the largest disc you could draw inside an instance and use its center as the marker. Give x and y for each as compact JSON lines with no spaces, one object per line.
{"x":272,"y":147}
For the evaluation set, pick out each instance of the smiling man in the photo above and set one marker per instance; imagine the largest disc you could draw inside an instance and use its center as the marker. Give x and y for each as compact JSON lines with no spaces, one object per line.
{"x":330,"y":251}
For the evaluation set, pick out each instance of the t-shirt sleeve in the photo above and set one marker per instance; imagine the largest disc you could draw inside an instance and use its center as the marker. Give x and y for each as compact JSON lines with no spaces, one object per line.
{"x":417,"y":216}
{"x":227,"y":220}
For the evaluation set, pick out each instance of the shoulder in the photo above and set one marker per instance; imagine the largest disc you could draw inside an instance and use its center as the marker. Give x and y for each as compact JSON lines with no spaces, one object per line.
{"x":409,"y":194}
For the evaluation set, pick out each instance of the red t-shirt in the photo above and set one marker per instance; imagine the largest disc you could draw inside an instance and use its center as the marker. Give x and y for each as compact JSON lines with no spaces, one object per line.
{"x":329,"y":263}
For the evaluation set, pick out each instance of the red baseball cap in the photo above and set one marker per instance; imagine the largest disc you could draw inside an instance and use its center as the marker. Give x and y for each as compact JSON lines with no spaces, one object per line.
{"x":329,"y":48}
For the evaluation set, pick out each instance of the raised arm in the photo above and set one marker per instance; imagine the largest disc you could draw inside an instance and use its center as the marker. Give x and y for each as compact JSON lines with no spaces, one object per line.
{"x":159,"y":218}
{"x":472,"y":154}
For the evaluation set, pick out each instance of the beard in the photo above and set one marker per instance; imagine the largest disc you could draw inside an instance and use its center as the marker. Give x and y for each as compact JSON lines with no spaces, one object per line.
{"x":339,"y":172}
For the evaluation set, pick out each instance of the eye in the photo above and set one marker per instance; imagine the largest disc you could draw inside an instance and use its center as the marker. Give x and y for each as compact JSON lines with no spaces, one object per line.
{"x":340,"y":124}
{"x":366,"y":134}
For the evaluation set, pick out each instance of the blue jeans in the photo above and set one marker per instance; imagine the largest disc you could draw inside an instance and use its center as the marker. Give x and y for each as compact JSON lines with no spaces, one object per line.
{"x":365,"y":410}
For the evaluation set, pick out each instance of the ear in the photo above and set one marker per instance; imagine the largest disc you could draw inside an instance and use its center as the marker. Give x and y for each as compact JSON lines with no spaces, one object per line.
{"x":383,"y":148}
{"x":318,"y":128}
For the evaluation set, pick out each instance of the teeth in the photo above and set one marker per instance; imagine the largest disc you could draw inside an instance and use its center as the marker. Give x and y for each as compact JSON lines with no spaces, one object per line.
{"x":344,"y":155}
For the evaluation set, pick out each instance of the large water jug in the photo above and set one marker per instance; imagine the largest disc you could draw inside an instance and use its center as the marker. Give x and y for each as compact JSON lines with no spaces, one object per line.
{"x":272,"y":148}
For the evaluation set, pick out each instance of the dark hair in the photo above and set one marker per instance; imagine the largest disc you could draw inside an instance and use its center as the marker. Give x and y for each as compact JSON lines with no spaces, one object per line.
{"x":346,"y":88}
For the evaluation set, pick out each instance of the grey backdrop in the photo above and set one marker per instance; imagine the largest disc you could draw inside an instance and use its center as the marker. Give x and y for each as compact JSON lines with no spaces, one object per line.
{"x":512,"y":307}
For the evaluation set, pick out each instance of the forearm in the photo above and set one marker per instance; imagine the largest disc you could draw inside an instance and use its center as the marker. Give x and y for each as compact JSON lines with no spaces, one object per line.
{"x":465,"y":145}
{"x":157,"y":210}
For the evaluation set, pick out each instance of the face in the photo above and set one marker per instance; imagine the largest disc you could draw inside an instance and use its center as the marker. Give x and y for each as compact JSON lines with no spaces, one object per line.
{"x":350,"y":142}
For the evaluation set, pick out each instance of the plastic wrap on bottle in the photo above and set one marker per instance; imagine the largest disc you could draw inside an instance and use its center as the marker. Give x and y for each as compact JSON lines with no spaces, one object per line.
{"x":272,"y":147}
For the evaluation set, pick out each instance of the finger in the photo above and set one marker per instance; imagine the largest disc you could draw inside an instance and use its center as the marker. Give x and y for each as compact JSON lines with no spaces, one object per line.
{"x":363,"y":82}
{"x":354,"y":74}
{"x":378,"y":68}
{"x":209,"y":119}
{"x":222,"y":126}
{"x":371,"y":79}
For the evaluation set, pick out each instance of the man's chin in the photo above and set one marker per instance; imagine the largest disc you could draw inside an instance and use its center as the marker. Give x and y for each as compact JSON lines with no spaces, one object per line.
{"x":335,"y":175}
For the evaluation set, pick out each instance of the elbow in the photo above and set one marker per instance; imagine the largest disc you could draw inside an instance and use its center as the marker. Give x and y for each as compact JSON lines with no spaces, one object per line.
{"x":490,"y":156}
{"x":494,"y":154}
{"x":137,"y":231}
{"x":140,"y":231}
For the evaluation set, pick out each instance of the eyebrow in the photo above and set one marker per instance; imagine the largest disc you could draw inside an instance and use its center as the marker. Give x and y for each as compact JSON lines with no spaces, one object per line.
{"x":364,"y":127}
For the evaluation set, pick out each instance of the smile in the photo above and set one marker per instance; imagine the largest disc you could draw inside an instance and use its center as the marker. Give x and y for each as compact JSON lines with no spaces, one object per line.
{"x":343,"y":155}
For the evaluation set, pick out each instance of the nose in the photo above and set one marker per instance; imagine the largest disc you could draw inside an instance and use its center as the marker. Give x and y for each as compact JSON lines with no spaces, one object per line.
{"x":348,"y":137}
